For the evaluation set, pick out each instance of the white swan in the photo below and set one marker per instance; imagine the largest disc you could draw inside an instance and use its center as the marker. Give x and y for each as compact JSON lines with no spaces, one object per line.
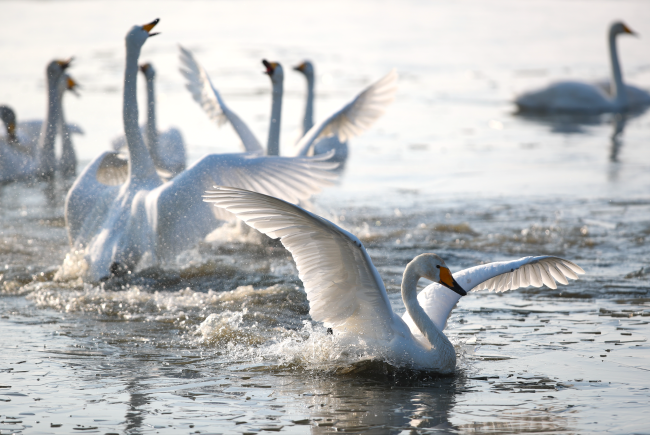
{"x":122,"y":214}
{"x":586,"y":98}
{"x":167,"y":147}
{"x":351,"y":120}
{"x":325,"y":144}
{"x":346,"y":293}
{"x":26,"y":162}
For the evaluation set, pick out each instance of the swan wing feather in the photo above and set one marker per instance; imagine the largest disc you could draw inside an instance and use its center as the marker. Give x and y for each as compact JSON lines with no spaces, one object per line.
{"x":355,"y":117}
{"x":181,"y":221}
{"x":343,"y":286}
{"x":205,"y":94}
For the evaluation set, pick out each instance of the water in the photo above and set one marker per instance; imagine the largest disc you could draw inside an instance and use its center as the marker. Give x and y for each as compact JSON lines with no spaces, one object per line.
{"x":223,"y":342}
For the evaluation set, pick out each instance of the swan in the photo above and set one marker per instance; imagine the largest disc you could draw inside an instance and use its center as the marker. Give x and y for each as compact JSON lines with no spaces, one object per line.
{"x":121,"y":215}
{"x":325,"y":144}
{"x":167,"y":147}
{"x":581,"y":98}
{"x":25,"y":162}
{"x":346,"y":293}
{"x":29,"y":132}
{"x":350,"y":121}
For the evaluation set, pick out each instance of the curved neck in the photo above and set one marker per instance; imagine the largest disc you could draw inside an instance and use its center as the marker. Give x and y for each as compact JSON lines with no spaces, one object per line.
{"x":619,"y":96}
{"x":308,"y":119}
{"x":141,"y":165}
{"x":151,"y":138}
{"x":48,"y":131}
{"x":273,"y":144}
{"x":436,"y":338}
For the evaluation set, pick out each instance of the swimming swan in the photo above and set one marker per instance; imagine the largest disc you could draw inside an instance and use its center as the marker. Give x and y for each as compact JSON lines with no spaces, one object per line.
{"x":167,"y":147}
{"x":350,"y":121}
{"x":20,"y":162}
{"x":585,"y":98}
{"x":121,"y":214}
{"x":347,"y":294}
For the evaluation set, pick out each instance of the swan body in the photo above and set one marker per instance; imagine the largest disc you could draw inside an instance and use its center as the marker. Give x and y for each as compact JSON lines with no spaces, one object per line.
{"x":346,"y":293}
{"x":350,"y":121}
{"x":167,"y":147}
{"x":325,"y":144}
{"x":585,"y":98}
{"x":122,"y":215}
{"x":20,"y":162}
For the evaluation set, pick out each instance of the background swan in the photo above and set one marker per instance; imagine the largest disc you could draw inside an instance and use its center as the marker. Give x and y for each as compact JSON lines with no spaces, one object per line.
{"x":350,"y":121}
{"x":325,"y":144}
{"x":579,"y":97}
{"x":167,"y":147}
{"x":20,"y":162}
{"x":346,"y":293}
{"x":123,"y":216}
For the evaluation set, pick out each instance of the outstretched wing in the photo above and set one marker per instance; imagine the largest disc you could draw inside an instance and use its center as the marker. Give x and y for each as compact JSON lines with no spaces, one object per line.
{"x":182,"y":219}
{"x":355,"y":117}
{"x":200,"y":86}
{"x":344,"y":288}
{"x":437,"y":302}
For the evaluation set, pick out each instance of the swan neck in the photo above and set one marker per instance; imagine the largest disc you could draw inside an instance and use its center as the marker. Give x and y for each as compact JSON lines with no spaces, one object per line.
{"x":151,"y":139}
{"x":48,"y":130}
{"x":434,"y":335}
{"x":273,"y":144}
{"x":140,"y":162}
{"x":68,"y":161}
{"x":308,"y":119}
{"x":619,"y":95}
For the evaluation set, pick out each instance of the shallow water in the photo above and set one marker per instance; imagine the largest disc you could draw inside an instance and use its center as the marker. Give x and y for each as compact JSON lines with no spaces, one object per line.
{"x":222,"y":342}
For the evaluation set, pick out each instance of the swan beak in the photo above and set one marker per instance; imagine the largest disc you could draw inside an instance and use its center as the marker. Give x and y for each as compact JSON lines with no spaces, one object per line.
{"x":64,"y":63}
{"x":270,"y":66}
{"x":448,"y":281}
{"x":300,"y":67}
{"x":630,"y":31}
{"x":72,"y":86}
{"x":144,"y":67}
{"x":11,"y":130}
{"x":151,"y":25}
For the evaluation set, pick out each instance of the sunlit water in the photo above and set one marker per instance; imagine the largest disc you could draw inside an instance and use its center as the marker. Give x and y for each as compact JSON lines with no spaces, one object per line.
{"x":222,"y":341}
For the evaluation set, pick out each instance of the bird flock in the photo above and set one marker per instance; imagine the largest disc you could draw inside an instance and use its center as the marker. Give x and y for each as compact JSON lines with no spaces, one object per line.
{"x":137,"y":204}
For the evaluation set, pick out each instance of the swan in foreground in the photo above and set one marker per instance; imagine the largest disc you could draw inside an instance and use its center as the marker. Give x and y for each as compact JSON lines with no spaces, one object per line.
{"x":167,"y":147}
{"x":325,"y":144}
{"x":347,"y":294}
{"x":586,"y":98}
{"x":22,"y":162}
{"x":121,"y":215}
{"x":350,"y":121}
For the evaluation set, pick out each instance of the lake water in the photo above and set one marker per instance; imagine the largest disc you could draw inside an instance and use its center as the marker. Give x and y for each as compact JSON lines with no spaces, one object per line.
{"x":223,"y":342}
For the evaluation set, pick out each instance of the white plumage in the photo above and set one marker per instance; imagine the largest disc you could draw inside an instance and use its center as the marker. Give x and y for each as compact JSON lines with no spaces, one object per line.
{"x":345,"y":290}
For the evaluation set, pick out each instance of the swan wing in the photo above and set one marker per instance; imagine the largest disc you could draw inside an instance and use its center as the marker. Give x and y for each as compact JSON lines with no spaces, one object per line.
{"x":343,"y":286}
{"x":355,"y":117}
{"x":182,"y":219}
{"x":91,"y":195}
{"x":510,"y":275}
{"x":438,"y":301}
{"x":200,"y":86}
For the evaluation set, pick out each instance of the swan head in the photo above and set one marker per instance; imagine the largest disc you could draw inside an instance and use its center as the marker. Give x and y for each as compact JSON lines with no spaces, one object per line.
{"x":9,"y":118}
{"x":148,"y":71}
{"x":618,"y":28}
{"x":432,"y":267}
{"x":273,"y":70}
{"x":55,"y":70}
{"x":139,"y":34}
{"x":306,"y":68}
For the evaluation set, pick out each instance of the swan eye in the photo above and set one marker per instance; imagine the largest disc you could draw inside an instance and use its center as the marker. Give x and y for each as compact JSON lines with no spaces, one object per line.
{"x":437,"y":266}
